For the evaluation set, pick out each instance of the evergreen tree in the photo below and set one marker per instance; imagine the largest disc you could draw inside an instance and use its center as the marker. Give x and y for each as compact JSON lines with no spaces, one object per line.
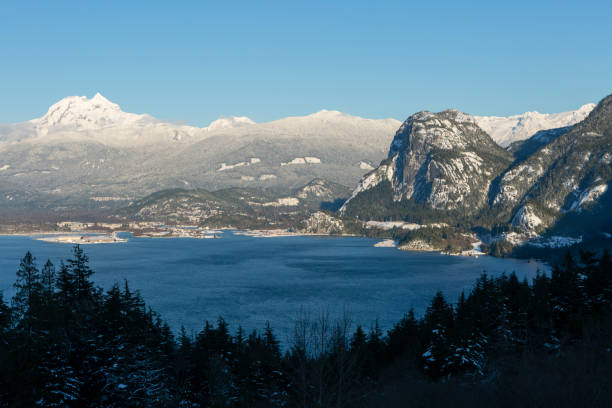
{"x":5,"y":317}
{"x":79,"y":268}
{"x":65,"y":284}
{"x":597,"y":280}
{"x":404,"y":338}
{"x":566,"y":296}
{"x":48,"y":279}
{"x":270,"y":341}
{"x":28,"y":287}
{"x":438,"y":323}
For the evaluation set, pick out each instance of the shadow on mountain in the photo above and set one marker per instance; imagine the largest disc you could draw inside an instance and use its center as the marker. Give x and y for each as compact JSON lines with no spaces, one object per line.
{"x":332,"y":205}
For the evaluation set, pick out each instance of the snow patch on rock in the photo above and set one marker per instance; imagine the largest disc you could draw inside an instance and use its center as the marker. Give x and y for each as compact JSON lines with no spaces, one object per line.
{"x":416,"y":245}
{"x":283,"y":202}
{"x":589,"y":196}
{"x":225,"y":166}
{"x":526,"y":219}
{"x":322,"y":223}
{"x":555,"y":242}
{"x":303,"y":160}
{"x":316,"y":188}
{"x":387,"y":243}
{"x":371,"y":180}
{"x":365,"y":166}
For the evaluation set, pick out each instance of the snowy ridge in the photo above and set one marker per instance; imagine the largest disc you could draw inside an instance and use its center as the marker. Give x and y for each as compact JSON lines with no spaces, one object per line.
{"x":229,"y":122}
{"x":505,"y":130}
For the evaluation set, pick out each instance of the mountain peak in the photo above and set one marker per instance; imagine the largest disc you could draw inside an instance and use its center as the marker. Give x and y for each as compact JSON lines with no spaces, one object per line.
{"x":505,"y":130}
{"x":82,"y":113}
{"x":327,"y":112}
{"x":229,"y":122}
{"x":101,"y":99}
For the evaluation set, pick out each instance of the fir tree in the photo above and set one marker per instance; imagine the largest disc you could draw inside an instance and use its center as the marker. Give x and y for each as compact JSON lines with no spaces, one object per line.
{"x":48,"y":279}
{"x":438,"y":322}
{"x":79,"y":268}
{"x":28,"y":287}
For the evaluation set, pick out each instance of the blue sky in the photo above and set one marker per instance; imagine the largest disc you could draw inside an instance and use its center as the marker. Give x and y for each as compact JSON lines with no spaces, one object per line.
{"x":196,"y":61}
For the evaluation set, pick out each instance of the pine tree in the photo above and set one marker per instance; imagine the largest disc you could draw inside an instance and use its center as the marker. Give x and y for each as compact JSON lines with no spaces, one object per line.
{"x":438,"y":323}
{"x":79,"y":268}
{"x":566,"y":296}
{"x":359,"y":340}
{"x":270,"y":341}
{"x":65,"y":284}
{"x":28,"y":287}
{"x":403,"y":339}
{"x":5,"y":317}
{"x":597,"y":280}
{"x":48,"y":279}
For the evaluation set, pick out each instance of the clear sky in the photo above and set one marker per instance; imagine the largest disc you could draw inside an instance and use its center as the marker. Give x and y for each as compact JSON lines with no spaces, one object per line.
{"x":196,"y":61}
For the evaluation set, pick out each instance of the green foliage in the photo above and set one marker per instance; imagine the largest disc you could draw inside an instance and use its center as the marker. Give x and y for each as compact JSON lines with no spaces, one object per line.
{"x":445,"y":238}
{"x":377,"y":203}
{"x":501,"y":248}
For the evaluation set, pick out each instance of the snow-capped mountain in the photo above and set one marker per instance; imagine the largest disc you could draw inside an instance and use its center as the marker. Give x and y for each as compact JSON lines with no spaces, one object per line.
{"x":82,"y":113}
{"x":442,"y":167}
{"x":88,"y":149}
{"x":505,"y":130}
{"x":229,"y":122}
{"x":572,"y":169}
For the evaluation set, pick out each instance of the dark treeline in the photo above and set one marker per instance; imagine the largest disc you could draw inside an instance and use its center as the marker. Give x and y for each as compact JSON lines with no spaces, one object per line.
{"x":66,"y":343}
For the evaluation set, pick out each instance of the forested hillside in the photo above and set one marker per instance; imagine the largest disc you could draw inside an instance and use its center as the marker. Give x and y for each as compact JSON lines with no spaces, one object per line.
{"x":66,"y":343}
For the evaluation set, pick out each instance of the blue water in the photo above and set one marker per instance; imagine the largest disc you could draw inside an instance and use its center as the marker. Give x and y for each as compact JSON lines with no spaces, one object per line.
{"x":250,"y":280}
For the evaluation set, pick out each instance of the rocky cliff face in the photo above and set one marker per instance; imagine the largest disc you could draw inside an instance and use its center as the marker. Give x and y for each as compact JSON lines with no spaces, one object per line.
{"x":322,"y":223}
{"x":445,"y":166}
{"x":440,"y":159}
{"x":566,"y":174}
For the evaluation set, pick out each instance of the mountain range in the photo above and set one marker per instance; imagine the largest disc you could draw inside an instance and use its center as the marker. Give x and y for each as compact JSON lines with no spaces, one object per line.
{"x":88,"y":153}
{"x":443,"y":167}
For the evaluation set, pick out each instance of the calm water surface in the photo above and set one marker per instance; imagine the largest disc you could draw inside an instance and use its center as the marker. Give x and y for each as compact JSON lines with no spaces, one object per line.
{"x":250,"y":280}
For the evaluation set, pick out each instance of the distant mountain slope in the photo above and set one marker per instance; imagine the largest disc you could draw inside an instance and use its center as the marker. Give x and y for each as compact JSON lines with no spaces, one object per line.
{"x":442,"y":167}
{"x":87,"y":152}
{"x":524,"y":148}
{"x":238,"y":207}
{"x":505,"y":130}
{"x":568,"y":173}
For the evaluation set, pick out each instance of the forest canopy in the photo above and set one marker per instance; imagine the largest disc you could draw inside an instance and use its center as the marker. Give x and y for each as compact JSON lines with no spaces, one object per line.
{"x":64,"y":342}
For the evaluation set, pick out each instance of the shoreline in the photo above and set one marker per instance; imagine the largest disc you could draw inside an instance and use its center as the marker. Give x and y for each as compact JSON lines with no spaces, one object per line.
{"x":74,"y":238}
{"x":383,"y":243}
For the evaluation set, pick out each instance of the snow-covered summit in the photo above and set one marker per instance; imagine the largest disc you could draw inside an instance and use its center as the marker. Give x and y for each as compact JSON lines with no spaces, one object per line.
{"x":505,"y":130}
{"x":229,"y":122}
{"x":82,"y":113}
